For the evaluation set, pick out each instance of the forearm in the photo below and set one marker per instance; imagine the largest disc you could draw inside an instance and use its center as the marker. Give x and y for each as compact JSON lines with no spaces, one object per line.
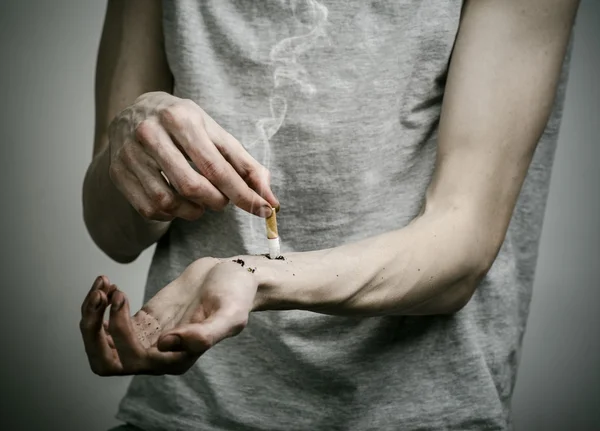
{"x":432,"y":266}
{"x":500,"y":91}
{"x":114,"y":225}
{"x":131,"y":61}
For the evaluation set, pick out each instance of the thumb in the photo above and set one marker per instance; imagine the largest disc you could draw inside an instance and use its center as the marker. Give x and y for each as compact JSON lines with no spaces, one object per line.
{"x":198,"y":337}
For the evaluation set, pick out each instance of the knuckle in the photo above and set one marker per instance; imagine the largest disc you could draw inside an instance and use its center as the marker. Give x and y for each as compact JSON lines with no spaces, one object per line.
{"x":127,"y":154}
{"x":165,"y":200}
{"x":114,"y":172}
{"x":176,"y":114}
{"x":191,"y":188}
{"x":247,"y":172}
{"x":170,"y":115}
{"x":147,"y":212}
{"x":144,"y":131}
{"x":211,"y":169}
{"x":255,"y":176}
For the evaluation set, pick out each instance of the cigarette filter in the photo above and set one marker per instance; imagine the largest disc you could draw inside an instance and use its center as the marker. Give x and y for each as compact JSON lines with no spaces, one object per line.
{"x":273,"y":235}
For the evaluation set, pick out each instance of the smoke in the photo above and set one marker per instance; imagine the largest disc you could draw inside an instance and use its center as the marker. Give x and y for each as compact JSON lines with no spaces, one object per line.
{"x":289,"y":76}
{"x":287,"y":72}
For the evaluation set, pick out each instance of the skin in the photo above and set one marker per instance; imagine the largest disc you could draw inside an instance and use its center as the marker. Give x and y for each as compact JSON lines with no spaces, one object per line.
{"x":499,"y":94}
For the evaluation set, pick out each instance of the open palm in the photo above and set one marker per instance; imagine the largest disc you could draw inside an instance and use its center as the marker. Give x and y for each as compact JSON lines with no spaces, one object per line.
{"x":209,"y":302}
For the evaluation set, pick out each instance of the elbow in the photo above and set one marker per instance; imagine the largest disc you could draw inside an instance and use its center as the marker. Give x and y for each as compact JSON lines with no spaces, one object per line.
{"x":455,"y":295}
{"x":121,"y":258}
{"x":115,"y":255}
{"x":102,"y":240}
{"x":479,"y":253}
{"x":461,"y":293}
{"x":99,"y":229}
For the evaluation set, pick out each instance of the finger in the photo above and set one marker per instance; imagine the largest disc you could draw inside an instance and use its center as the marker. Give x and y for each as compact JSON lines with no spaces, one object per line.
{"x":168,"y":362}
{"x":91,"y":316}
{"x":252,"y":172}
{"x":130,"y":186}
{"x":222,"y":174}
{"x":110,"y":342}
{"x":198,"y":337}
{"x":121,"y":330}
{"x":109,"y":339}
{"x":184,"y":179}
{"x":191,"y":136}
{"x":88,"y":310}
{"x":162,"y":195}
{"x":97,"y":284}
{"x":107,"y":287}
{"x":99,"y":353}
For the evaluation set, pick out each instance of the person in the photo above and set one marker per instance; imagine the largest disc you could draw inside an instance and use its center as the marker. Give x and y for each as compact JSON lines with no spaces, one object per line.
{"x":409,"y":147}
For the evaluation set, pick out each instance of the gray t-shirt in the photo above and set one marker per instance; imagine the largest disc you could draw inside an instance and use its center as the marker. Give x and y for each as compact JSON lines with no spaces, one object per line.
{"x":341,"y":100}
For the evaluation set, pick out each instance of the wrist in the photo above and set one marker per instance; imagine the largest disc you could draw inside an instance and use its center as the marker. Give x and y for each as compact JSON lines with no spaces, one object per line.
{"x":114,"y":225}
{"x":266,"y":273}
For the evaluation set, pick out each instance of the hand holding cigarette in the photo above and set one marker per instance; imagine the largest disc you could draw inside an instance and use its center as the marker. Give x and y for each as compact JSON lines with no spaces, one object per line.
{"x":151,"y":145}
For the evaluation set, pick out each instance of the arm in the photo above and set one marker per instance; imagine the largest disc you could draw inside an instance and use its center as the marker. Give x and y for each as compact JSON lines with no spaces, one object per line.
{"x":131,"y":61}
{"x":148,"y":143}
{"x":500,"y":91}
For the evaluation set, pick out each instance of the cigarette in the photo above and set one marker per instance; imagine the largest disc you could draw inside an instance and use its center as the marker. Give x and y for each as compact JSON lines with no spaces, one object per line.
{"x":273,"y":235}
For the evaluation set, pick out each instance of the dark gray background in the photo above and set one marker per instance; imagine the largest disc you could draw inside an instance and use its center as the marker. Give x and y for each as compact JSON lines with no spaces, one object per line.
{"x":47,"y":58}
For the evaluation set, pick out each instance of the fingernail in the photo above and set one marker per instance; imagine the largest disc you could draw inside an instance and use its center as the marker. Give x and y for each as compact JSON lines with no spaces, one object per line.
{"x":171,"y":342}
{"x":119,"y":304}
{"x":95,"y":302}
{"x":265,"y":211}
{"x":277,"y":208}
{"x":97,"y":283}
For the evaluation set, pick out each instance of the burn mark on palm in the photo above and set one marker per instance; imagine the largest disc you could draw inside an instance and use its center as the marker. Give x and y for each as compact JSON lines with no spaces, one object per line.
{"x":147,"y":328}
